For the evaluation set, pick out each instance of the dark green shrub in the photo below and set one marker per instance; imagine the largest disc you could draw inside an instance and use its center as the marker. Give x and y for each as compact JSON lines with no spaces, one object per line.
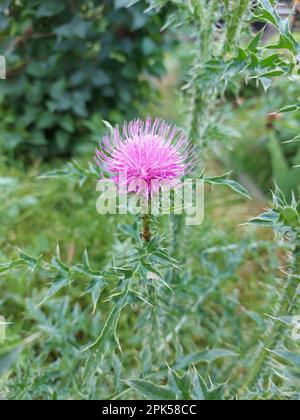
{"x":66,"y":61}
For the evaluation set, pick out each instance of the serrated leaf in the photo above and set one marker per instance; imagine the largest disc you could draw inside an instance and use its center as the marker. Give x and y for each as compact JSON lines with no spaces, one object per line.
{"x":9,"y":266}
{"x":30,"y":261}
{"x":268,"y":12}
{"x":267,"y":219}
{"x":180,"y":385}
{"x":290,"y":108}
{"x":95,"y":288}
{"x":59,"y":283}
{"x":111,"y":323}
{"x":213,"y":392}
{"x":287,"y":320}
{"x":207,"y":356}
{"x":292,"y":358}
{"x":254,"y":43}
{"x":223,"y":180}
{"x":150,"y":390}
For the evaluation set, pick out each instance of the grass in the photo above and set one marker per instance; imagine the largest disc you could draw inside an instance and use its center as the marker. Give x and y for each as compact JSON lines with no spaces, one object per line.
{"x":36,"y":213}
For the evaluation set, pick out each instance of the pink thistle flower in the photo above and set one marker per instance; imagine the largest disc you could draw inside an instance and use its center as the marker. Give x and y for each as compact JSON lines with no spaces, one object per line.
{"x":146,"y":155}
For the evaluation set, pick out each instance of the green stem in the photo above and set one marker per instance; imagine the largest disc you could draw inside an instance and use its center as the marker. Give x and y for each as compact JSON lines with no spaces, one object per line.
{"x":273,"y":336}
{"x":233,"y":29}
{"x":146,"y":228}
{"x":146,"y":221}
{"x":154,"y":321}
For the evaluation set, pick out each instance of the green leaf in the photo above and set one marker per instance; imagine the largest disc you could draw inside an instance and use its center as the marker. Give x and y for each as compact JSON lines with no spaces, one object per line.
{"x":97,"y":281}
{"x":30,"y":261}
{"x":294,"y":139}
{"x":149,"y":268}
{"x":267,"y":219}
{"x":9,"y":266}
{"x":150,"y":390}
{"x":287,"y":320}
{"x":253,"y":45}
{"x":109,"y":127}
{"x":59,"y":283}
{"x":8,"y":358}
{"x":271,"y":73}
{"x":223,"y":180}
{"x":76,"y":28}
{"x":207,"y":356}
{"x":290,"y":108}
{"x":38,"y":70}
{"x":291,"y":216}
{"x":62,"y":278}
{"x":180,"y":385}
{"x":268,"y":12}
{"x":67,"y":123}
{"x":58,"y":89}
{"x":112,"y":321}
{"x":95,"y":288}
{"x":202,"y":391}
{"x":48,"y":8}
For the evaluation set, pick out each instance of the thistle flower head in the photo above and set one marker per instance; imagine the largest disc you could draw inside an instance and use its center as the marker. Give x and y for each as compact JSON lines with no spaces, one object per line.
{"x":147,"y":154}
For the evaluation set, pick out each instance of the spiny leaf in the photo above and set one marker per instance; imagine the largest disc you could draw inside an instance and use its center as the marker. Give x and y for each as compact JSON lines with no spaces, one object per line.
{"x":9,"y":266}
{"x":24,"y":259}
{"x":292,"y":358}
{"x":59,"y":283}
{"x":73,"y":170}
{"x":30,"y":261}
{"x":267,"y":219}
{"x":95,"y":288}
{"x":180,"y":385}
{"x":214,"y":392}
{"x":207,"y":356}
{"x":151,"y":391}
{"x":290,"y":108}
{"x":223,"y":180}
{"x":268,"y":12}
{"x":111,"y":323}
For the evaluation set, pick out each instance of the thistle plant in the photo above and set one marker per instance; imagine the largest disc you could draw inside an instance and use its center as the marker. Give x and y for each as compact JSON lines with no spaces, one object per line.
{"x":144,"y":158}
{"x":165,"y":302}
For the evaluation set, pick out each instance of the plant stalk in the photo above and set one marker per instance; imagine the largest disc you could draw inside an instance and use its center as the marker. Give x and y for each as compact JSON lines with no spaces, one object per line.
{"x":146,"y":228}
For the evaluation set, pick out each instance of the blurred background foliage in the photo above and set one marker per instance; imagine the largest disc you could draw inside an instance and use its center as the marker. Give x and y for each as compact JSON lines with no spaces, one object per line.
{"x":71,"y":63}
{"x":263,"y":149}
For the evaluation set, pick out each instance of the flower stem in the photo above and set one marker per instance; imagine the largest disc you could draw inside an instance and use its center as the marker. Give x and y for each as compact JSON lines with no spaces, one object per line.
{"x":154,"y":322}
{"x":146,"y":228}
{"x":273,"y":335}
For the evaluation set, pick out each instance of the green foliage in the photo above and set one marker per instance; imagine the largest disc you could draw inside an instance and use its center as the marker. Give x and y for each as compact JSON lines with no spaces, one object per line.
{"x":67,"y":61}
{"x":187,"y":386}
{"x":224,"y":180}
{"x":273,"y":153}
{"x":150,"y":326}
{"x":284,"y":218}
